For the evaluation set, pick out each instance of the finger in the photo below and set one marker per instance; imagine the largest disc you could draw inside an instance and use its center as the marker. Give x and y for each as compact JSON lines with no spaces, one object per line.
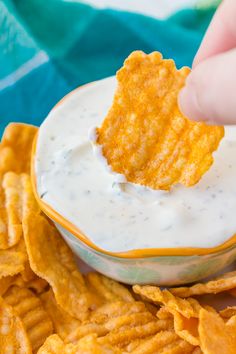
{"x":210,"y":91}
{"x":221,"y":34}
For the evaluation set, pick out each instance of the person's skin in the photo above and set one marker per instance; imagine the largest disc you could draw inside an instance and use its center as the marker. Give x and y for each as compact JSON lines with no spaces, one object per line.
{"x":210,"y":91}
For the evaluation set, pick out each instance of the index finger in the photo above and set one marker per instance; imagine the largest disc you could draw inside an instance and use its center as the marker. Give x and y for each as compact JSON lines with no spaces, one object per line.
{"x":221,"y":34}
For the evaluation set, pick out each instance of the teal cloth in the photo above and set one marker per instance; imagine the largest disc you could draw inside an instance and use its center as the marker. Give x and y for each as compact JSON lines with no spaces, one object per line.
{"x":48,"y":48}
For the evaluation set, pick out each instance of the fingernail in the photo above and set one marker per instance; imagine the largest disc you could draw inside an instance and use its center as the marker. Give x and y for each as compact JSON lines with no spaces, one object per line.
{"x":188,"y":104}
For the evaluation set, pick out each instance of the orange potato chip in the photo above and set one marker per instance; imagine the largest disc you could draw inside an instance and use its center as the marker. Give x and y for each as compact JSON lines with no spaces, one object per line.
{"x":224,"y":282}
{"x":231,"y":323}
{"x":29,"y":308}
{"x":63,"y":323}
{"x":90,"y":345}
{"x":135,"y":319}
{"x":27,"y":274}
{"x":116,"y":309}
{"x":23,"y":280}
{"x":5,"y":283}
{"x":187,"y":307}
{"x":179,"y":347}
{"x":12,"y":260}
{"x":30,"y":204}
{"x":131,"y":346}
{"x":15,"y":195}
{"x":86,"y":329}
{"x":145,"y":137}
{"x":52,"y":345}
{"x":87,"y":345}
{"x":13,"y":337}
{"x":156,"y":343}
{"x":28,"y":279}
{"x":228,"y":312}
{"x":111,"y":316}
{"x":197,"y":350}
{"x":102,"y":325}
{"x":216,"y":336}
{"x":164,"y":342}
{"x":125,"y":335}
{"x":163,"y":313}
{"x":51,"y":259}
{"x":108,"y":312}
{"x":11,"y":204}
{"x":37,"y":284}
{"x":186,"y":328}
{"x":15,"y":148}
{"x":108,"y":289}
{"x":147,"y":346}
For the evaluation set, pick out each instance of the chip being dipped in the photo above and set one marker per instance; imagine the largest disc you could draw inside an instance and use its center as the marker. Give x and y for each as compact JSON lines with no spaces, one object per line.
{"x":145,"y":137}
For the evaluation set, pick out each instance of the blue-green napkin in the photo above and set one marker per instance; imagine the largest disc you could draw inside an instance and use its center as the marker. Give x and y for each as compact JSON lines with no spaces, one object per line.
{"x":47,"y":48}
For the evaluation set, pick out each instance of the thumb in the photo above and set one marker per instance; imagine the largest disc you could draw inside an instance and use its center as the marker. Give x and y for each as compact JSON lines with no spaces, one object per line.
{"x":210,"y":91}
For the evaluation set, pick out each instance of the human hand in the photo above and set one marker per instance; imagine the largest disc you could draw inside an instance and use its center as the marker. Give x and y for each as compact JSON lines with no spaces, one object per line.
{"x":210,"y":91}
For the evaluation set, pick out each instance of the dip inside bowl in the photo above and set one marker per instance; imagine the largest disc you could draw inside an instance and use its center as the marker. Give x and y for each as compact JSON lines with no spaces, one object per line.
{"x":122,"y":229}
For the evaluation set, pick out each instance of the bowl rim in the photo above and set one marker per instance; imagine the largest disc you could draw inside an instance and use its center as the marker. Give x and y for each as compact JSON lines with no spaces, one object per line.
{"x":135,"y":253}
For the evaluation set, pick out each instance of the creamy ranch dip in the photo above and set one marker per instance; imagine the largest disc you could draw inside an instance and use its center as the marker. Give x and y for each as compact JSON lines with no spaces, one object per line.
{"x":120,"y":216}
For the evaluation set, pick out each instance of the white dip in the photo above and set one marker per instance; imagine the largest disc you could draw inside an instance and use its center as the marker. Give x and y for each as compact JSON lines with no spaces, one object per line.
{"x":120,"y":217}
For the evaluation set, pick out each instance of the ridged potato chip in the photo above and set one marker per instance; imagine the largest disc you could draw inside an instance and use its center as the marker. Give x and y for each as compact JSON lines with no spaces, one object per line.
{"x":123,"y":336}
{"x":186,"y":328}
{"x":5,"y":283}
{"x":164,"y":342}
{"x":185,"y":312}
{"x":91,"y":345}
{"x":222,"y":283}
{"x":51,"y":259}
{"x":145,"y":137}
{"x":216,"y":336}
{"x":30,"y":204}
{"x":11,"y":210}
{"x":52,"y":345}
{"x":163,"y":313}
{"x":107,"y":288}
{"x":197,"y":350}
{"x":29,"y":308}
{"x":13,"y":255}
{"x":116,"y":309}
{"x":15,"y":148}
{"x":13,"y":337}
{"x":179,"y":347}
{"x":102,"y":324}
{"x":154,"y":343}
{"x":28,"y":279}
{"x":228,"y":312}
{"x":187,"y":307}
{"x":12,"y":260}
{"x":63,"y":323}
{"x":87,"y":345}
{"x":37,"y":284}
{"x":27,"y":274}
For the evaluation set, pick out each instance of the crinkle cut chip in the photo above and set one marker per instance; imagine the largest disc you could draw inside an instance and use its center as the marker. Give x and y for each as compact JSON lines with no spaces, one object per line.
{"x":145,"y":136}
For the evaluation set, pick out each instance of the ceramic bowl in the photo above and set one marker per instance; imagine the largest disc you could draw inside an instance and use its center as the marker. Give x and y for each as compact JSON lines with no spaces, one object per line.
{"x":170,"y":266}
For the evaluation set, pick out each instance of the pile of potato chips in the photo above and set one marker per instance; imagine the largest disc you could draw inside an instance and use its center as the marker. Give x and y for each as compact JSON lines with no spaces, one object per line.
{"x":48,"y":306}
